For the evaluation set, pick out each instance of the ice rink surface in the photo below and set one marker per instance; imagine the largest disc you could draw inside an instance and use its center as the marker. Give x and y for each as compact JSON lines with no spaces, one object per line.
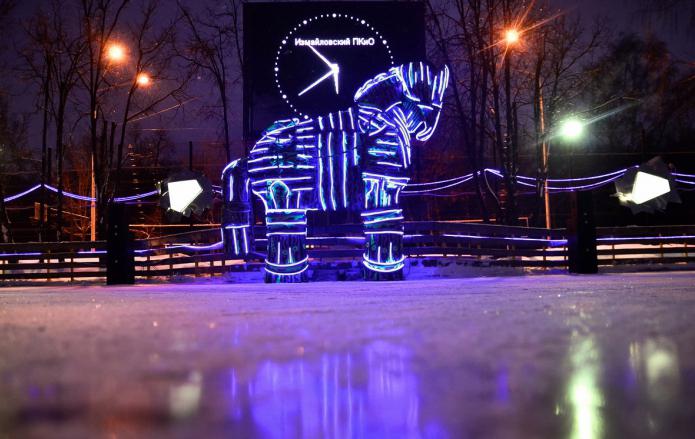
{"x":555,"y":356}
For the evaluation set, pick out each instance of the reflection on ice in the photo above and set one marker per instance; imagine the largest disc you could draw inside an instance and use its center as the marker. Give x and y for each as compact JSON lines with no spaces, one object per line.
{"x":368,"y":393}
{"x":654,"y":363}
{"x":662,"y":371}
{"x":584,"y":393}
{"x":184,"y":399}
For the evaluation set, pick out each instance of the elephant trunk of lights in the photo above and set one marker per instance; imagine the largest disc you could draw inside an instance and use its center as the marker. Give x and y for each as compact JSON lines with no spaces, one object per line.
{"x":355,"y":159}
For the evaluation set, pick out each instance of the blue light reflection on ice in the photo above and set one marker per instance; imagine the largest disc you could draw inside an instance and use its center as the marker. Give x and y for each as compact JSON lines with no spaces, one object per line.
{"x":371,"y":393}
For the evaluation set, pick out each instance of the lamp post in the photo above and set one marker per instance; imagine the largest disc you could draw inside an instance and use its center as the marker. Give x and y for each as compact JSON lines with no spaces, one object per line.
{"x":545,"y":146}
{"x":511,"y":39}
{"x":114,"y":53}
{"x":581,"y":227}
{"x":570,"y":130}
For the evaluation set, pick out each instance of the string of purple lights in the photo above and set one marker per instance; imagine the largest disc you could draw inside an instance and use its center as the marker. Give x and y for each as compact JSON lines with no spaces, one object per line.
{"x":78,"y":196}
{"x":522,"y":180}
{"x":431,"y":183}
{"x":464,"y":180}
{"x":589,"y":183}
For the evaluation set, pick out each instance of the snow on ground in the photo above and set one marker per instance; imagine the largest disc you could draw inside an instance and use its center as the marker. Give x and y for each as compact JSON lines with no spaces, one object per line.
{"x":609,"y":355}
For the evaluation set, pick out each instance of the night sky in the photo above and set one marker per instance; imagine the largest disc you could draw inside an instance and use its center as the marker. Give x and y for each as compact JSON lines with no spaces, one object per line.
{"x":625,"y":15}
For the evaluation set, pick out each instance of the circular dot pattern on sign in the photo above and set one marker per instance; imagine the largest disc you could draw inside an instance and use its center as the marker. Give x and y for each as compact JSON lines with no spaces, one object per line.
{"x":380,"y":38}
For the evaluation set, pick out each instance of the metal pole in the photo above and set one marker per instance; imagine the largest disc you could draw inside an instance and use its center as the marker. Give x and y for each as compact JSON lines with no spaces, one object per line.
{"x":546,"y":151}
{"x":49,"y":180}
{"x":190,"y":168}
{"x":45,"y":153}
{"x":93,"y":208}
{"x":509,"y":174}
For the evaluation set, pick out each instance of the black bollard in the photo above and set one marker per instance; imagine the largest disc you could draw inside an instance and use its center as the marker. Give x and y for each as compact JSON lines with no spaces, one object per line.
{"x":581,"y":234}
{"x":120,"y":258}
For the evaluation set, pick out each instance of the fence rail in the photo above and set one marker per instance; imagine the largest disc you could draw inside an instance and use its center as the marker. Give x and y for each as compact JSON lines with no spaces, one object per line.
{"x":492,"y":244}
{"x":646,"y":245}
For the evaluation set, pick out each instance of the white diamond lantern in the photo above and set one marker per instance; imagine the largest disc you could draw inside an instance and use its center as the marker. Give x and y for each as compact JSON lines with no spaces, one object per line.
{"x":183,"y":193}
{"x":648,"y":186}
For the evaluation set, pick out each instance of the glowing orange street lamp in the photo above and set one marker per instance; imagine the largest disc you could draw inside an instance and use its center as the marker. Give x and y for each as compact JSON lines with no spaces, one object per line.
{"x":115,"y":52}
{"x":143,"y":79}
{"x":511,"y":36}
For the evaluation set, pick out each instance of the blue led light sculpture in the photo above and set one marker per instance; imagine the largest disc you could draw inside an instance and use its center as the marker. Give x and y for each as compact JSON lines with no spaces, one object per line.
{"x":355,"y":159}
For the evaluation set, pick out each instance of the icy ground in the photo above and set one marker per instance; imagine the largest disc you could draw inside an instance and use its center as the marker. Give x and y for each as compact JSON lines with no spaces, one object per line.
{"x":513,"y":357}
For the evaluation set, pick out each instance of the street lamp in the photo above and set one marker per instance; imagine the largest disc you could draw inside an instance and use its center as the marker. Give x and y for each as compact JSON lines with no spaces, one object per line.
{"x":571,"y":129}
{"x":511,"y":36}
{"x":143,"y":79}
{"x":115,"y":52}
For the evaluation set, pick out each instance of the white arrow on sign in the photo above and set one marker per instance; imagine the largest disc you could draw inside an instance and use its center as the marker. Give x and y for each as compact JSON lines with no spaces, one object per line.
{"x":334,"y":70}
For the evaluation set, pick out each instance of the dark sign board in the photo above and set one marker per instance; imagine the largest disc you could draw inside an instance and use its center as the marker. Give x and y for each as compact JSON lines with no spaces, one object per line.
{"x":309,"y":58}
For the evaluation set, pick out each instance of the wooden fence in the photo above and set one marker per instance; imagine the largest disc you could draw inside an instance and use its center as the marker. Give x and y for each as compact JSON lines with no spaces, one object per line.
{"x":490,"y":244}
{"x":67,"y":261}
{"x":646,"y":245}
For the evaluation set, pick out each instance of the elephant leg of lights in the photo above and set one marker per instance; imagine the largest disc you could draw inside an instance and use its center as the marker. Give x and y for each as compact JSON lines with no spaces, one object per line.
{"x":286,"y":230}
{"x":382,"y":220}
{"x":236,"y":213}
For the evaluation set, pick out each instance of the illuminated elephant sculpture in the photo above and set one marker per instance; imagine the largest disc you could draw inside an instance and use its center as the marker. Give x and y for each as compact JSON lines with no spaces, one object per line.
{"x":355,"y":159}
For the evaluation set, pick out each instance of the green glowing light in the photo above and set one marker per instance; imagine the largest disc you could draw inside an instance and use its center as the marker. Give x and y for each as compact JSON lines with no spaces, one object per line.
{"x":571,"y":129}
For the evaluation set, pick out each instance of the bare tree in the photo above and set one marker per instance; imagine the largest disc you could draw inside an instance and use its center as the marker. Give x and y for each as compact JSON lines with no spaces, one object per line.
{"x":213,"y":43}
{"x":5,"y":231}
{"x":147,"y":70}
{"x":99,"y":20}
{"x":73,"y":63}
{"x":560,"y":50}
{"x":676,"y":15}
{"x":36,"y":60}
{"x":156,"y":78}
{"x":13,"y":158}
{"x":459,"y":23}
{"x":495,"y":79}
{"x":650,"y":97}
{"x":468,"y":35}
{"x":59,"y":50}
{"x":69,"y":48}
